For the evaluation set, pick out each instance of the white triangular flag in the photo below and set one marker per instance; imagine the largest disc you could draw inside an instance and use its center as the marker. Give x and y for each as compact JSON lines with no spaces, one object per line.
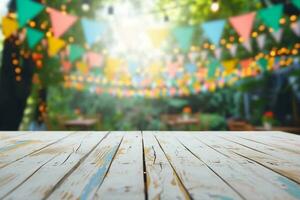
{"x":218,"y":53}
{"x":233,"y":49}
{"x":277,"y":35}
{"x":203,"y":55}
{"x":261,"y":41}
{"x":193,"y":56}
{"x":247,"y":45}
{"x":296,"y":28}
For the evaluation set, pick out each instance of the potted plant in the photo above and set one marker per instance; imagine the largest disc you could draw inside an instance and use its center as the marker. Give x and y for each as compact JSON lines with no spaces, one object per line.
{"x":268,"y":120}
{"x":187,"y":111}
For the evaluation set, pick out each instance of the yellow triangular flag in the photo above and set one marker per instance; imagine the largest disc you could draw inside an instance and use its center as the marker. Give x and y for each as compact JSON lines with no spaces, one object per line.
{"x":158,"y":36}
{"x":230,"y":66}
{"x":54,"y":45}
{"x":82,"y":67}
{"x":9,"y":26}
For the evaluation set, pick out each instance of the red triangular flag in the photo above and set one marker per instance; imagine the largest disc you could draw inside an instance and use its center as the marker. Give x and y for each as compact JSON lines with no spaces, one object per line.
{"x":61,"y":22}
{"x":243,"y":24}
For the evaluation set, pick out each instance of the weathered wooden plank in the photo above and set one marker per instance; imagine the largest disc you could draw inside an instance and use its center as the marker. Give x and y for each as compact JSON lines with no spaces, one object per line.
{"x":14,"y":175}
{"x":43,"y":182}
{"x":162,"y":181}
{"x":9,"y":135}
{"x":18,"y":148}
{"x":238,"y":175}
{"x":199,"y":180}
{"x":279,"y":181}
{"x":271,"y":142}
{"x":125,"y":178}
{"x":283,"y":167}
{"x":88,"y":176}
{"x":277,"y":153}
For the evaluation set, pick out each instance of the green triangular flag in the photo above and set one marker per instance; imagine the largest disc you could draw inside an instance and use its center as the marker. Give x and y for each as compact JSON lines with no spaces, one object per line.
{"x":296,"y":3}
{"x":75,"y":52}
{"x":263,"y":63}
{"x":184,"y":35}
{"x":271,"y":16}
{"x":27,"y":10}
{"x":213,"y":64}
{"x":33,"y":37}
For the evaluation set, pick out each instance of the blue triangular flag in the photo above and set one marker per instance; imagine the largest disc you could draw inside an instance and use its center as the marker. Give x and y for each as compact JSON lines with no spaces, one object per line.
{"x":27,"y":10}
{"x":33,"y":37}
{"x":93,"y":30}
{"x":184,"y":36}
{"x":213,"y":30}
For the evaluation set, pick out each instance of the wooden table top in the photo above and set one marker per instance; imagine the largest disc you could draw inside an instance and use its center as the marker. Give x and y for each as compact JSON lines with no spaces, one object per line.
{"x":149,"y":165}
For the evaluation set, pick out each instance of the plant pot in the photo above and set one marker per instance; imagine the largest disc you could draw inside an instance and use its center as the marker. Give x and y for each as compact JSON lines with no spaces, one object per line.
{"x":267,"y":126}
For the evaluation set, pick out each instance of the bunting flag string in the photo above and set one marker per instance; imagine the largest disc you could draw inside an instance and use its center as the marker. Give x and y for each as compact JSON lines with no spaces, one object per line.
{"x":61,"y":22}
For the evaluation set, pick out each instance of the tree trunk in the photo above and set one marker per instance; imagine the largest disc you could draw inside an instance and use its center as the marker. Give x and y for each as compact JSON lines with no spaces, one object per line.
{"x":14,"y":93}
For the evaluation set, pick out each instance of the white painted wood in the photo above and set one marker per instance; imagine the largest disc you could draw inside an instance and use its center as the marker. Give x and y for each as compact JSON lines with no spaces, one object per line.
{"x":20,"y":147}
{"x":20,"y":171}
{"x":283,"y":167}
{"x":124,"y":179}
{"x":162,"y":181}
{"x":238,"y":175}
{"x":86,"y":179}
{"x":41,"y":184}
{"x":279,"y":181}
{"x":277,"y":153}
{"x":272,"y":142}
{"x":199,"y":180}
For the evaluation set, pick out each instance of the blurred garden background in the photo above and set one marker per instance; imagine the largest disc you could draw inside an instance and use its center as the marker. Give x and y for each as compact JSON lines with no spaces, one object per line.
{"x":150,"y":65}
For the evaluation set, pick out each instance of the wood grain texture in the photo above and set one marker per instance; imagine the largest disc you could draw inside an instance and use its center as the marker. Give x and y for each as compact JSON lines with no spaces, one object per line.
{"x":162,"y":181}
{"x":149,"y":165}
{"x":199,"y":180}
{"x":124,"y":179}
{"x":87,"y":178}
{"x":39,"y":187}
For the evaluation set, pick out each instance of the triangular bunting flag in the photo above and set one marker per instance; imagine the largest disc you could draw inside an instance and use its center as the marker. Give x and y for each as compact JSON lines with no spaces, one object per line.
{"x":233,"y":49}
{"x":54,"y":45}
{"x":203,"y":55}
{"x":75,"y":52}
{"x":277,"y":35}
{"x":60,"y":21}
{"x":271,"y":16}
{"x":34,"y":37}
{"x":230,"y":66}
{"x":213,"y":30}
{"x":93,"y":30}
{"x":296,"y":3}
{"x":193,"y":56}
{"x":9,"y":26}
{"x":27,"y":10}
{"x":218,"y":53}
{"x":94,"y":59}
{"x":247,"y":45}
{"x":212,"y":68}
{"x":191,"y":68}
{"x":66,"y":66}
{"x":296,"y":28}
{"x":158,"y":36}
{"x":243,"y":24}
{"x":263,"y":63}
{"x":184,"y":36}
{"x":82,"y":68}
{"x":261,"y":41}
{"x":246,"y":67}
